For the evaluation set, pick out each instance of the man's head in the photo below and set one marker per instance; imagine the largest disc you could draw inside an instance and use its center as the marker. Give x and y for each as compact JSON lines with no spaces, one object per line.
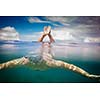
{"x":49,"y":28}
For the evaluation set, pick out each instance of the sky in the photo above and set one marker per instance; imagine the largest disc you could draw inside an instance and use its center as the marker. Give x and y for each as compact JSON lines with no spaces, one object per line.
{"x":64,"y":28}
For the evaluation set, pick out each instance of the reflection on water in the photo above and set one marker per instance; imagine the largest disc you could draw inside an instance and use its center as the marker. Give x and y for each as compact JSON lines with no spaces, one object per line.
{"x":86,"y":56}
{"x":78,"y":52}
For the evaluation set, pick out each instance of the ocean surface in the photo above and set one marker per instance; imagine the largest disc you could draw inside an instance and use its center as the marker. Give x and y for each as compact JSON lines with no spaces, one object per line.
{"x":84,"y":55}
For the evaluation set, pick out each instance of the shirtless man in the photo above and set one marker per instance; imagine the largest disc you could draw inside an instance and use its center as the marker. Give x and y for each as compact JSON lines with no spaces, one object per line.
{"x":47,"y":57}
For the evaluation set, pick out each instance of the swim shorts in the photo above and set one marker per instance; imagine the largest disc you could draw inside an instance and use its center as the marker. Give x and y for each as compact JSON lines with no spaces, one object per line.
{"x":34,"y":57}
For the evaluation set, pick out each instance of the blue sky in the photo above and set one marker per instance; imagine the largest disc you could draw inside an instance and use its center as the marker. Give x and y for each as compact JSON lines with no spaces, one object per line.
{"x":21,"y":24}
{"x":63,"y":27}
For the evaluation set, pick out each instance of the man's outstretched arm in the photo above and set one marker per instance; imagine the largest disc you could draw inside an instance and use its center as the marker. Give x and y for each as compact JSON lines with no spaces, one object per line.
{"x":19,"y":61}
{"x":72,"y":67}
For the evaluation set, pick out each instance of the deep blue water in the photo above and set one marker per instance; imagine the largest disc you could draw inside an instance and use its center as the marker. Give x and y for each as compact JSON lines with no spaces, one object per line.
{"x":84,"y":55}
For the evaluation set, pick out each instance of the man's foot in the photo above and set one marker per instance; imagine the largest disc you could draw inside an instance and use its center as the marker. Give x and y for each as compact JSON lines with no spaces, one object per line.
{"x":47,"y":30}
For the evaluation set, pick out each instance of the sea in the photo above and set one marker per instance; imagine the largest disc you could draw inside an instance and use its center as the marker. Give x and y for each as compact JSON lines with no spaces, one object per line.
{"x":83,"y":55}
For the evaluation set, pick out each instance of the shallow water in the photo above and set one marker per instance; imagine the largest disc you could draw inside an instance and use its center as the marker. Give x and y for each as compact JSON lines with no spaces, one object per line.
{"x":85,"y":56}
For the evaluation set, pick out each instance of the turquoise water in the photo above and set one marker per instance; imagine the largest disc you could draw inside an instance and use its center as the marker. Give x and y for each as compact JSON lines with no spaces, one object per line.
{"x":85,"y":56}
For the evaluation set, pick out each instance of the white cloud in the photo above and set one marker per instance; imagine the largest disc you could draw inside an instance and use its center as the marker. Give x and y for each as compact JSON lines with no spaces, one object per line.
{"x":64,"y":20}
{"x":94,"y":20}
{"x":36,"y":20}
{"x":62,"y":34}
{"x":9,"y":33}
{"x":92,"y":40}
{"x":31,"y":37}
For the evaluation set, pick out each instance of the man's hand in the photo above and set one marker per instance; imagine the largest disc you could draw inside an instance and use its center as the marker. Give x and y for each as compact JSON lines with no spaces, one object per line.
{"x":46,"y":30}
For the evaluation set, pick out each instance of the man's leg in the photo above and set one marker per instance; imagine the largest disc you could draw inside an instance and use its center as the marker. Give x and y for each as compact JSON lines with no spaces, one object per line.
{"x":47,"y":31}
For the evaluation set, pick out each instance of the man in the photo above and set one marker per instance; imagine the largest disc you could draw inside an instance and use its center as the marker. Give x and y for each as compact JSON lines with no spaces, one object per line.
{"x":46,"y":57}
